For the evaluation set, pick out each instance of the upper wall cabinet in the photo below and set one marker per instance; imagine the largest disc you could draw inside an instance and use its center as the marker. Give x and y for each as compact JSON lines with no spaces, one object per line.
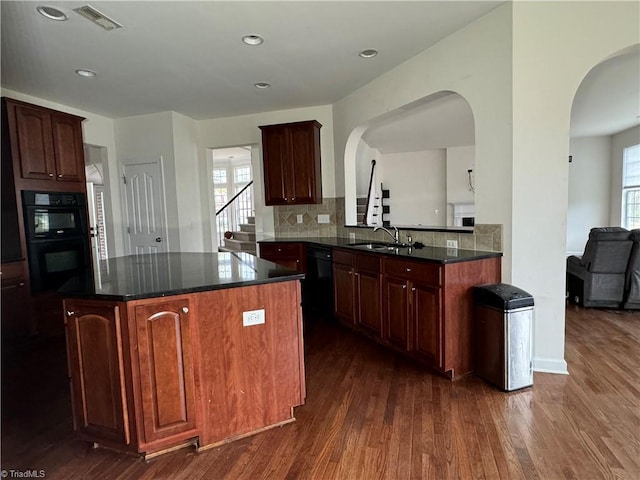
{"x":291,"y":155}
{"x":45,"y":144}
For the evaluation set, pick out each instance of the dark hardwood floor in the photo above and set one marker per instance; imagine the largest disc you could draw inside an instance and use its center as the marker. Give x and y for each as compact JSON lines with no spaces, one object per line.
{"x":371,"y":414}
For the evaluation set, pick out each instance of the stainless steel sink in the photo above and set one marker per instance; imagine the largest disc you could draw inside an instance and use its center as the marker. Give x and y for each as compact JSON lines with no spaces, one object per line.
{"x":376,"y":245}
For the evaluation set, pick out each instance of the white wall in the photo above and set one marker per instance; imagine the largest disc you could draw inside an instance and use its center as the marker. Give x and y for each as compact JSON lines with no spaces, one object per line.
{"x":416,"y":183}
{"x":619,"y":142}
{"x":191,"y":210}
{"x":149,"y":138}
{"x":589,"y":189}
{"x":96,"y":130}
{"x":243,"y":130}
{"x":459,"y":161}
{"x":474,"y":62}
{"x":555,"y":44}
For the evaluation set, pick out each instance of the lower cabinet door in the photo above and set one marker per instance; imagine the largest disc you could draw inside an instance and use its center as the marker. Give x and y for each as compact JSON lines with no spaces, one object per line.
{"x":95,"y":356}
{"x":166,"y":368}
{"x":427,"y":318}
{"x":343,"y":293}
{"x":369,"y":314}
{"x":396,"y":312}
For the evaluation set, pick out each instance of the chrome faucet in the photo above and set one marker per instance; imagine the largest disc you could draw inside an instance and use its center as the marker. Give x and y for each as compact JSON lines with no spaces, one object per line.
{"x":395,"y":235}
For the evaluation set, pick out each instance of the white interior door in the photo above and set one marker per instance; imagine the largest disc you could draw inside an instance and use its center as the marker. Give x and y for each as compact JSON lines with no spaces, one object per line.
{"x":146,"y":226}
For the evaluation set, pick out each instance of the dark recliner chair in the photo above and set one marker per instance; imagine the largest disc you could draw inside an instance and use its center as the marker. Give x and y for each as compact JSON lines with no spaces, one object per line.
{"x":632,"y":287}
{"x":597,"y":278}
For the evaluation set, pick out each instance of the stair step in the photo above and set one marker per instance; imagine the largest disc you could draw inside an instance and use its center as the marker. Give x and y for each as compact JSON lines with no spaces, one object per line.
{"x":251,"y":220}
{"x":239,"y":245}
{"x":244,"y":236}
{"x":247,"y":227}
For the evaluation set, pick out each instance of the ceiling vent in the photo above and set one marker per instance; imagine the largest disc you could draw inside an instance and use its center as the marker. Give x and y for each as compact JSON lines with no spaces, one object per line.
{"x":97,"y":17}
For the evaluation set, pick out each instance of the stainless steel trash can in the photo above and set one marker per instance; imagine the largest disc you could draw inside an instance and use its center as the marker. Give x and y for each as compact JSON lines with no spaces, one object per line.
{"x":503,"y":335}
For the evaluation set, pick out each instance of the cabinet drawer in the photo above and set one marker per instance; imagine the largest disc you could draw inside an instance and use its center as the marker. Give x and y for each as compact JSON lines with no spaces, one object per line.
{"x":12,"y":273}
{"x":281,"y":249}
{"x":424,"y":272}
{"x":368,"y":263}
{"x":343,"y":258}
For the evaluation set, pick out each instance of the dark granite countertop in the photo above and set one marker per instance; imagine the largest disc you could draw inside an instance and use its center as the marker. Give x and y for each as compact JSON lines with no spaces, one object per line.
{"x":429,"y":254}
{"x":147,"y":276}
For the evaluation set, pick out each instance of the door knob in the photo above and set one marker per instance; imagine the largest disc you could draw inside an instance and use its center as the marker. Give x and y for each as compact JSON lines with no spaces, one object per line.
{"x":185,"y":310}
{"x":158,"y":239}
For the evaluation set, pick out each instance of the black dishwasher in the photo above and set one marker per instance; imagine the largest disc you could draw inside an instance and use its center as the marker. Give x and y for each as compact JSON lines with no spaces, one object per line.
{"x":318,"y":283}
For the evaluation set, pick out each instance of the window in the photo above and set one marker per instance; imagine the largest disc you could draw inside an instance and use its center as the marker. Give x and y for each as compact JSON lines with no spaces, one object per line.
{"x":631,"y":187}
{"x":227,"y":182}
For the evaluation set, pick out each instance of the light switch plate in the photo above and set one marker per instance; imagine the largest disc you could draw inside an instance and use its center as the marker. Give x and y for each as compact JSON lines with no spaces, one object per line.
{"x":252,"y":317}
{"x":323,"y":218}
{"x":452,"y":244}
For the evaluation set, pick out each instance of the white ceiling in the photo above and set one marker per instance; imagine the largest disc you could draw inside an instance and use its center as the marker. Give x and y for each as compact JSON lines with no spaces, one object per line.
{"x":188,"y":57}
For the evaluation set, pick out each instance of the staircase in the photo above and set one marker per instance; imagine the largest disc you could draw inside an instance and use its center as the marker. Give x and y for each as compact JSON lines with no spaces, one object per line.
{"x":242,"y":241}
{"x":361,"y":210}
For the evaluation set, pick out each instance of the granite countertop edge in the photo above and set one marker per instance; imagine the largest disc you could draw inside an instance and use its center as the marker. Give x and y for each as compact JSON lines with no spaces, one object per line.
{"x":427,"y":253}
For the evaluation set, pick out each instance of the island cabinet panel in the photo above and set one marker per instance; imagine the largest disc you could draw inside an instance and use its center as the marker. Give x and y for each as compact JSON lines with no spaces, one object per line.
{"x":254,"y":376}
{"x":291,"y":157}
{"x":97,"y":371}
{"x":166,"y":372}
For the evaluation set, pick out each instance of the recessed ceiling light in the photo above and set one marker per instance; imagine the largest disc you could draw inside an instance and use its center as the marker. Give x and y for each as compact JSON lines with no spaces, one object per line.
{"x":86,"y":73}
{"x":253,"y":40}
{"x":51,"y":13}
{"x":368,"y":53}
{"x":262,"y":85}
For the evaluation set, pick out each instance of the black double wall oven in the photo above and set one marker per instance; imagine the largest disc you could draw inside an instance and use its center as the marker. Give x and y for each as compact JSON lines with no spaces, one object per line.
{"x":57,"y":237}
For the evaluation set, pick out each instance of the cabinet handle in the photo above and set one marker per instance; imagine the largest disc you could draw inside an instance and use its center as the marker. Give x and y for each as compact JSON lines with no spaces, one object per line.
{"x":408,"y":269}
{"x":297,"y":261}
{"x":404,"y":286}
{"x":70,"y":313}
{"x":279,"y":249}
{"x":286,"y":199}
{"x":60,"y":176}
{"x":21,"y":284}
{"x":293,"y":199}
{"x":413,"y":289}
{"x":51,"y":174}
{"x":185,"y":309}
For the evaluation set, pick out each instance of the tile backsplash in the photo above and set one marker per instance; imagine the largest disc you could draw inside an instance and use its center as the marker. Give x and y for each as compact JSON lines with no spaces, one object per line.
{"x":486,"y":237}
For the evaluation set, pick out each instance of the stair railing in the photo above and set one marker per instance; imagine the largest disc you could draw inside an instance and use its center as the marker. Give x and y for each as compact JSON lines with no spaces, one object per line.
{"x":229,"y":219}
{"x":366,"y":209}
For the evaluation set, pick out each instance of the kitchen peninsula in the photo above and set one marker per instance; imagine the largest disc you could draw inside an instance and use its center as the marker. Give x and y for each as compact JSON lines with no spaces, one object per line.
{"x":415,"y":301}
{"x":174,"y":349}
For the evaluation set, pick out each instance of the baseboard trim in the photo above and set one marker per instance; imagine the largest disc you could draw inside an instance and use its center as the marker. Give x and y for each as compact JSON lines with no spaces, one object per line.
{"x":550,"y":365}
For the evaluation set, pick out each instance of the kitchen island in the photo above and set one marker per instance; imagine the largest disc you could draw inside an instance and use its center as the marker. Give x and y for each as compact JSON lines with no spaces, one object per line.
{"x":179,"y":349}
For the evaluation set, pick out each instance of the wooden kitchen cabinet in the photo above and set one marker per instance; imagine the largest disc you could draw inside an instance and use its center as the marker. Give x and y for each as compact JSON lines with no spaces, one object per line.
{"x":166,"y":372}
{"x":16,"y":313}
{"x":422,"y":309}
{"x":357,"y":295}
{"x":132,"y":372}
{"x":292,"y":164}
{"x":412,"y":309}
{"x":46,"y":145}
{"x":292,"y":255}
{"x":344,"y":293}
{"x":368,"y":295}
{"x":96,"y":356}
